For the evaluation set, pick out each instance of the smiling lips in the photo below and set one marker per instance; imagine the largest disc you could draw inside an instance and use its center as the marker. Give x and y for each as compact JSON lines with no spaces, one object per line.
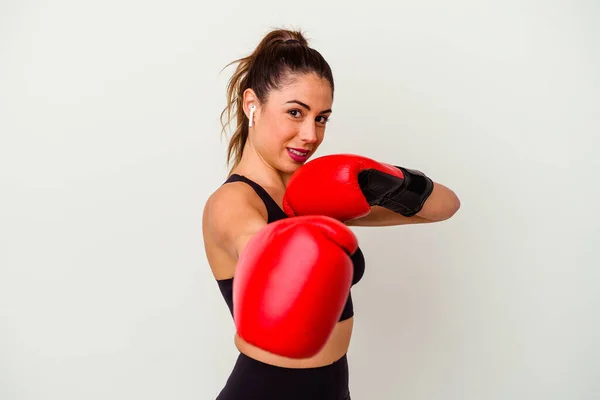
{"x":298,"y":155}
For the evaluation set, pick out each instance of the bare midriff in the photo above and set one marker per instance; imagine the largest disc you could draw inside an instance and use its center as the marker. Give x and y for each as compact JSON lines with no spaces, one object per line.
{"x":334,"y":349}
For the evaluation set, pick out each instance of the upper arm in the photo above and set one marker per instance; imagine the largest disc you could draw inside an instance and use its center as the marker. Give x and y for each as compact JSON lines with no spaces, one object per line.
{"x":231,"y":218}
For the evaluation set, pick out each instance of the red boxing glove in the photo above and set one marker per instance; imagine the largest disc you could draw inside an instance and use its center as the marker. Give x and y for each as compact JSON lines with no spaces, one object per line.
{"x":345,"y":186}
{"x":291,"y":283}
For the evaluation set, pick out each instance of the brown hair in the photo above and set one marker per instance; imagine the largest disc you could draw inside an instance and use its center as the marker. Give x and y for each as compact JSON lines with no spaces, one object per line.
{"x":280,"y":53}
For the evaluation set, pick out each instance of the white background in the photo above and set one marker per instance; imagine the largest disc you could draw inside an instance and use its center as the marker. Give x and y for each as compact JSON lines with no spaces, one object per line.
{"x":110,"y":145}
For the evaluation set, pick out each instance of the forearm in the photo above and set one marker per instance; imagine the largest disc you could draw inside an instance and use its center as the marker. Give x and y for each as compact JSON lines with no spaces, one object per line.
{"x":439,"y":206}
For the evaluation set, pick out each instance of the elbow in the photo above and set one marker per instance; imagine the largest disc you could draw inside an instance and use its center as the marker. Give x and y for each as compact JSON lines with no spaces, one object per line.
{"x":447,"y":208}
{"x":451,"y":207}
{"x":454,"y":206}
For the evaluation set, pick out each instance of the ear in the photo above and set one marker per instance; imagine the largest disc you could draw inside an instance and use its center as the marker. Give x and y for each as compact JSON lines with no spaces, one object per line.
{"x":250,"y":99}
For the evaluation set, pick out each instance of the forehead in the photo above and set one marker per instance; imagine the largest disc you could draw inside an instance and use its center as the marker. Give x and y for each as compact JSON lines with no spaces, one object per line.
{"x":308,"y":88}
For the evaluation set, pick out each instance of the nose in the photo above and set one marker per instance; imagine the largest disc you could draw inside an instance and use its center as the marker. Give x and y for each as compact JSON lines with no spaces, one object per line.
{"x":308,"y":134}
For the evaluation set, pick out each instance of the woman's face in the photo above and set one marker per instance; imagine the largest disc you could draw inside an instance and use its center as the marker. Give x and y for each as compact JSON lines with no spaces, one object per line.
{"x":290,"y":125}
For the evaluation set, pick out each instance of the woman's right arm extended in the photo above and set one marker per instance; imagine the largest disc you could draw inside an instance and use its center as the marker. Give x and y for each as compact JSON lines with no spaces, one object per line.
{"x":232,"y":217}
{"x":281,"y":274}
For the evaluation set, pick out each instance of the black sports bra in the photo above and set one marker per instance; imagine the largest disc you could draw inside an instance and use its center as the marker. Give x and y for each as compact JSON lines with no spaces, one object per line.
{"x":275,"y":213}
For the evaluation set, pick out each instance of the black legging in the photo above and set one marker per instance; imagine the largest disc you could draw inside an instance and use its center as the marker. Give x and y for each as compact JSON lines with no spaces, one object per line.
{"x":252,"y":379}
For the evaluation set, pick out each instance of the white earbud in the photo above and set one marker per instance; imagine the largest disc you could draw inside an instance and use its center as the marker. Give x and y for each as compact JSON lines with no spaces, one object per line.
{"x":252,"y":108}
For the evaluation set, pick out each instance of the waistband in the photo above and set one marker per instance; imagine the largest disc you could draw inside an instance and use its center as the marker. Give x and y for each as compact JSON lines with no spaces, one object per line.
{"x":252,"y":377}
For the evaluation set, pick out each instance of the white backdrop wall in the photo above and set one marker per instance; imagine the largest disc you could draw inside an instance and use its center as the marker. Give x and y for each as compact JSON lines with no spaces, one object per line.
{"x":110,"y":145}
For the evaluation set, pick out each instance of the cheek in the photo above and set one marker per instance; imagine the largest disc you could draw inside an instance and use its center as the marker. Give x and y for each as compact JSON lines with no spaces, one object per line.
{"x":320,"y":137}
{"x":281,"y":131}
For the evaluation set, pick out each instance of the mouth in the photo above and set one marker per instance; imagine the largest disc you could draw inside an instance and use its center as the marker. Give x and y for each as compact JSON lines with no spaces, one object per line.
{"x":298,"y":155}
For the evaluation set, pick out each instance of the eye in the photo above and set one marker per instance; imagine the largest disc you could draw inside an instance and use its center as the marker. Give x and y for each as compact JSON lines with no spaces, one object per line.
{"x":324,"y":119}
{"x":295,"y":113}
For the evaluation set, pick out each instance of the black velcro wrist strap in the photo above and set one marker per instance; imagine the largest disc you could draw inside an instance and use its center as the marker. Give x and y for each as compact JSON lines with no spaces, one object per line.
{"x":409,"y":198}
{"x":404,"y":196}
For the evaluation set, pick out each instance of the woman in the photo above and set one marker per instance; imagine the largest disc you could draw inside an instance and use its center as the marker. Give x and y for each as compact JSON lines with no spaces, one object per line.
{"x":281,"y":96}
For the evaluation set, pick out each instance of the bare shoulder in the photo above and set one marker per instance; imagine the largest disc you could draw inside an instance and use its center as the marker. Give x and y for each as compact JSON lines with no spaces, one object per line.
{"x":232,"y":214}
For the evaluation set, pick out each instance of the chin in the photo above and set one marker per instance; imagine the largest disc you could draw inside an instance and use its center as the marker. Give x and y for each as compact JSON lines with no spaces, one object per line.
{"x":289,"y":167}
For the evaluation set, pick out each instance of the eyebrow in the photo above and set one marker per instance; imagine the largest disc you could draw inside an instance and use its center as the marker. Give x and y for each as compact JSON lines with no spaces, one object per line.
{"x":307,"y":106}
